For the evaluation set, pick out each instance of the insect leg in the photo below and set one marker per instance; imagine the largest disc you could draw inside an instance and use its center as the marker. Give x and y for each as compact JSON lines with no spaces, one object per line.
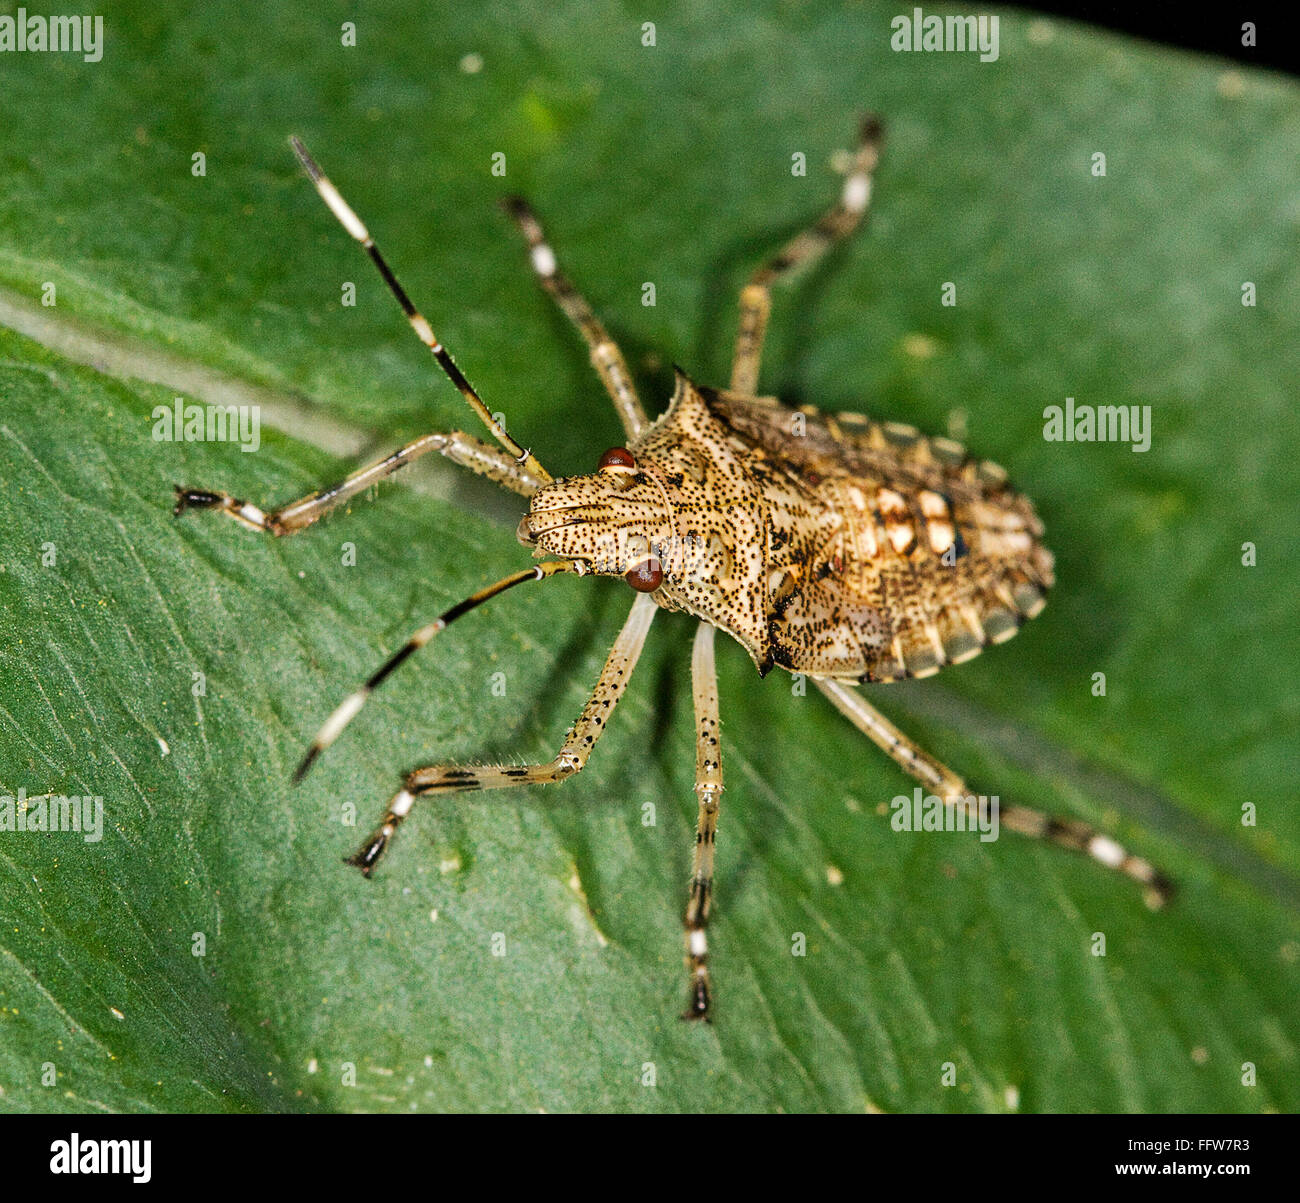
{"x":354,"y":226}
{"x":708,"y":785}
{"x":606,"y":358}
{"x":805,"y":247}
{"x":1067,"y":833}
{"x":463,"y":449}
{"x":572,"y":756}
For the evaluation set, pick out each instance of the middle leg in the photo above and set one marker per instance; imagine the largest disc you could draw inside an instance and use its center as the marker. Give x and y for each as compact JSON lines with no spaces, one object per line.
{"x":708,"y":785}
{"x":606,"y":358}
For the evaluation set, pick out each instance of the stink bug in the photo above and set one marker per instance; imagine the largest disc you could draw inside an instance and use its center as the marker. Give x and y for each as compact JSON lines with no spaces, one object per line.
{"x":849,"y":550}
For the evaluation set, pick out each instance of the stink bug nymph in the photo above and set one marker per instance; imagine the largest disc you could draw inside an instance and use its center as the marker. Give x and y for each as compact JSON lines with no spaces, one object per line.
{"x":849,"y":550}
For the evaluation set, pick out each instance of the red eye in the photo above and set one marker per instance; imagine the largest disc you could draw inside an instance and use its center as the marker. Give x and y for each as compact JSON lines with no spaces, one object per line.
{"x":617,"y":457}
{"x":646,"y":577}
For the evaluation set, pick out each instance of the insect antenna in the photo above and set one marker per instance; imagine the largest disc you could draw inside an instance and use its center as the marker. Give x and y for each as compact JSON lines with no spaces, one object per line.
{"x":351,"y":705}
{"x":353,"y":224}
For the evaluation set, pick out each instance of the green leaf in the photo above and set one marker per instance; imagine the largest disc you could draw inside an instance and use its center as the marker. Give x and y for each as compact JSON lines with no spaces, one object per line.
{"x":669,"y":164}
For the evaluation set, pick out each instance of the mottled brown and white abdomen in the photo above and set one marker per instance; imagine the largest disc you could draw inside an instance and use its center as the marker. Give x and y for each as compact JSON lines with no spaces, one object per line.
{"x":890,"y":555}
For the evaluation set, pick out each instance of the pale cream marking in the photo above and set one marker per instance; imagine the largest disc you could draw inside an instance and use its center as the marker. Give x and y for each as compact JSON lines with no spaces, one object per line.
{"x":1106,"y":850}
{"x":857,"y":192}
{"x":544,"y":260}
{"x":342,"y":210}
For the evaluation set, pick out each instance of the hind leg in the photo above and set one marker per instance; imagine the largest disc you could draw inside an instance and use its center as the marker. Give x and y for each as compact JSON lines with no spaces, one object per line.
{"x":804,"y":248}
{"x":1066,"y":833}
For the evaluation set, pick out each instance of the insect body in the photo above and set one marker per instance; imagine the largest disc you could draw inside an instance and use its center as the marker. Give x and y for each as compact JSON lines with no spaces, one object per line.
{"x":831,"y":546}
{"x":847,"y":550}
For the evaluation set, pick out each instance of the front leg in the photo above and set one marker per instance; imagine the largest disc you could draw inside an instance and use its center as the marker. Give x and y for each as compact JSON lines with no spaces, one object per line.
{"x":570,"y":759}
{"x":479,"y":457}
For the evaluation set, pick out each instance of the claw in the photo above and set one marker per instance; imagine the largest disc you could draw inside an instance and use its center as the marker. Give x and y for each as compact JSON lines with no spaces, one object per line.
{"x":369,"y":852}
{"x":698,"y":1008}
{"x":198,"y":498}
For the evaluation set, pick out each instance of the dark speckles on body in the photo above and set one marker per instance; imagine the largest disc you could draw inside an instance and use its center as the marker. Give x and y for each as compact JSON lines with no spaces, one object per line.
{"x":848,"y":550}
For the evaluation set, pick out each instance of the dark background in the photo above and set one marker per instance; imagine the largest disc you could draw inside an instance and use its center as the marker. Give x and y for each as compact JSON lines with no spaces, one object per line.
{"x":1207,"y":29}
